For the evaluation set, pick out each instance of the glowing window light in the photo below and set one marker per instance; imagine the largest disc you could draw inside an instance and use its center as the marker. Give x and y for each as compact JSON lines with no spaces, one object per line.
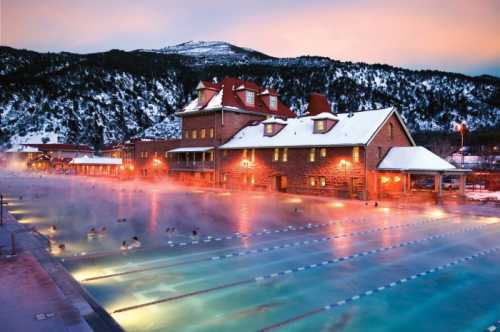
{"x":385,"y":179}
{"x":397,"y":179}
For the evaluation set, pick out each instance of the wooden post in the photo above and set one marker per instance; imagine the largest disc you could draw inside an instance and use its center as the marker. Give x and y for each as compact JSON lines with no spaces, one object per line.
{"x":461,"y":184}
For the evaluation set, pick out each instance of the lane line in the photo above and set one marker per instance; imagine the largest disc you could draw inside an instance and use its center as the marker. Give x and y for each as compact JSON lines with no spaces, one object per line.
{"x":297,"y":269}
{"x":256,"y":251}
{"x":378,"y":290}
{"x":494,"y":327}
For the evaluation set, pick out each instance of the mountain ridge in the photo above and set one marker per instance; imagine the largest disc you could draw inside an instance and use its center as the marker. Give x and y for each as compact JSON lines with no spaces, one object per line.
{"x":104,"y":97}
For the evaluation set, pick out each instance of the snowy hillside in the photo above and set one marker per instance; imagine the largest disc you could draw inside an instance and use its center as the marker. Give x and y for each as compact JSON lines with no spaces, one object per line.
{"x":112,"y":96}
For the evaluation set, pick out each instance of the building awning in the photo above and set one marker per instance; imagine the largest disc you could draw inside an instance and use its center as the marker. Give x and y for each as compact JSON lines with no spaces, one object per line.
{"x":95,"y":160}
{"x":415,"y":159}
{"x":193,"y":149}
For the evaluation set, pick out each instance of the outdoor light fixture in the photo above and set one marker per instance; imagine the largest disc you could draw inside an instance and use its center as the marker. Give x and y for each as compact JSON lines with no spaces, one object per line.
{"x":385,"y":179}
{"x":131,"y":167}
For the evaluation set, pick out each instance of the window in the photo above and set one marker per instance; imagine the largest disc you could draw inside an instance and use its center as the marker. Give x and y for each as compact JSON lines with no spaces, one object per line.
{"x":312,"y":181}
{"x":166,"y":154}
{"x":211,"y":155}
{"x":186,"y":133}
{"x":391,"y":130}
{"x":144,"y":154}
{"x":245,"y":179}
{"x":194,"y":134}
{"x":249,"y":98}
{"x":252,"y":156}
{"x":355,"y":154}
{"x":203,"y":133}
{"x":211,"y":132}
{"x":284,"y":158}
{"x":312,"y":155}
{"x":269,"y":128}
{"x":379,"y":152}
{"x":322,"y":152}
{"x":252,"y":179}
{"x":245,"y":154}
{"x":320,"y":125}
{"x":322,"y":181}
{"x":276,"y":154}
{"x":273,"y":103}
{"x":224,"y":177}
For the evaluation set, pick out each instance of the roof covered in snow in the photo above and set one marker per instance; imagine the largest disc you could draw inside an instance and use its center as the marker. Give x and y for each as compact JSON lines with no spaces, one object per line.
{"x":96,"y":160}
{"x":23,"y":149}
{"x":274,"y":120}
{"x":325,"y":115}
{"x":413,"y":158}
{"x":227,"y":97}
{"x":192,"y":149}
{"x":357,"y":129}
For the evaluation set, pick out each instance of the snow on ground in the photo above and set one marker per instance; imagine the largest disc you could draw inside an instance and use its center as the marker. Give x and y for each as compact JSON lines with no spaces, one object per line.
{"x":483,"y":195}
{"x":35,"y":138}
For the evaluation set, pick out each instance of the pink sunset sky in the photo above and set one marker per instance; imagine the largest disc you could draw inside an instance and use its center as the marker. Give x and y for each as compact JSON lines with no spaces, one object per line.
{"x":451,"y":35}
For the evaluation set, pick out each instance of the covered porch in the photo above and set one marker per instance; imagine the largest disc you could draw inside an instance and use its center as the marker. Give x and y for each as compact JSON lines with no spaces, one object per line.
{"x":96,"y":166}
{"x":196,"y":159}
{"x":419,"y":173}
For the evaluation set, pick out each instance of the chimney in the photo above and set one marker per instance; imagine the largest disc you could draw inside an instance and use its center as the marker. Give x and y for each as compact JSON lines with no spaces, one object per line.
{"x":318,"y":104}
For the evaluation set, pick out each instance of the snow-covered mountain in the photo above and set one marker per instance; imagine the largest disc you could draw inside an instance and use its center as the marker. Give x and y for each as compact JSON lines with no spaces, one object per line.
{"x":112,"y":96}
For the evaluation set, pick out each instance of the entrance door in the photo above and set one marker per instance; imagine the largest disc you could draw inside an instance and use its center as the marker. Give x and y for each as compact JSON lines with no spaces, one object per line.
{"x":281,"y":183}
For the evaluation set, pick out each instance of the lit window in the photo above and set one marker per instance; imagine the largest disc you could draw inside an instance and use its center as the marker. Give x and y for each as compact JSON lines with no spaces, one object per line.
{"x":285,"y":155}
{"x":211,"y":155}
{"x":249,"y":98}
{"x":211,"y":133}
{"x":186,"y":133}
{"x":269,"y":128}
{"x":391,"y":130}
{"x":276,"y":154}
{"x":194,"y":134}
{"x":355,"y":154}
{"x":322,"y":152}
{"x":320,"y":125}
{"x":245,"y":153}
{"x":252,"y":179}
{"x":224,"y":177}
{"x":203,"y":133}
{"x":273,"y":103}
{"x":312,"y":155}
{"x":312,"y":181}
{"x":166,"y":154}
{"x":245,"y":178}
{"x":322,"y":181}
{"x":252,"y":156}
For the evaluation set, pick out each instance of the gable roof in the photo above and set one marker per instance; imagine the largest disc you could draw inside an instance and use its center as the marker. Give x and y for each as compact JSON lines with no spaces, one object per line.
{"x":358,"y":129}
{"x":413,"y":158}
{"x":227,"y":98}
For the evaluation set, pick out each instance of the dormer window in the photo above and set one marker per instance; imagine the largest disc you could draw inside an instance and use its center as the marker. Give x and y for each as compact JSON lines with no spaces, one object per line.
{"x":324,"y":122}
{"x":320,"y":126}
{"x":273,"y":103}
{"x":269,"y":129}
{"x":249,"y":98}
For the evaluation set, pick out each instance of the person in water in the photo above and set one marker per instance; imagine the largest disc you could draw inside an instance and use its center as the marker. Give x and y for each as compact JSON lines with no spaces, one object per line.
{"x":52,"y":229}
{"x":124,"y":246}
{"x":92,"y":233}
{"x":135,"y":243}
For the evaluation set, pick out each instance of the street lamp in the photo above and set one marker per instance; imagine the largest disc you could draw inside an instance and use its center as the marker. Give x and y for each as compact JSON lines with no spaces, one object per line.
{"x":461,"y":128}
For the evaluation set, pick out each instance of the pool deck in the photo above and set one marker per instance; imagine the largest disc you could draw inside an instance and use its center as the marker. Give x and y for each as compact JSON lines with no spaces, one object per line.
{"x":36,"y":292}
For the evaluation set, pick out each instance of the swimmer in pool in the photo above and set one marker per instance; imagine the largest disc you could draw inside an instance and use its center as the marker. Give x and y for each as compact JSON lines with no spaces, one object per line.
{"x":124,"y":246}
{"x":92,"y":233}
{"x":135,"y":243}
{"x":52,"y":229}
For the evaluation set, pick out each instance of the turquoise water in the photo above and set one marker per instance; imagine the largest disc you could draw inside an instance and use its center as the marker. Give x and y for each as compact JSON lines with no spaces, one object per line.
{"x":265,"y":261}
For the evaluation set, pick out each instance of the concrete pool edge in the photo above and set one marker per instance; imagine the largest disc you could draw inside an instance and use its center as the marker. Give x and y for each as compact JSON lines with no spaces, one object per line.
{"x":93,"y":316}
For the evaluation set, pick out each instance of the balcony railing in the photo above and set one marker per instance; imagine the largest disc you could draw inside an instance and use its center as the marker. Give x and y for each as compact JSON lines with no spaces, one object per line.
{"x":190,"y":165}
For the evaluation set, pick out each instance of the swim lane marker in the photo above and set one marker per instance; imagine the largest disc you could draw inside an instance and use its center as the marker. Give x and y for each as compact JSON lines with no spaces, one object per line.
{"x":295,"y":270}
{"x":378,"y":290}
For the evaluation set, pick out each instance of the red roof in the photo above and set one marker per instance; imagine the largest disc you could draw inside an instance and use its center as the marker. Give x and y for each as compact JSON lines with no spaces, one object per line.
{"x":318,"y":104}
{"x":230,"y":98}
